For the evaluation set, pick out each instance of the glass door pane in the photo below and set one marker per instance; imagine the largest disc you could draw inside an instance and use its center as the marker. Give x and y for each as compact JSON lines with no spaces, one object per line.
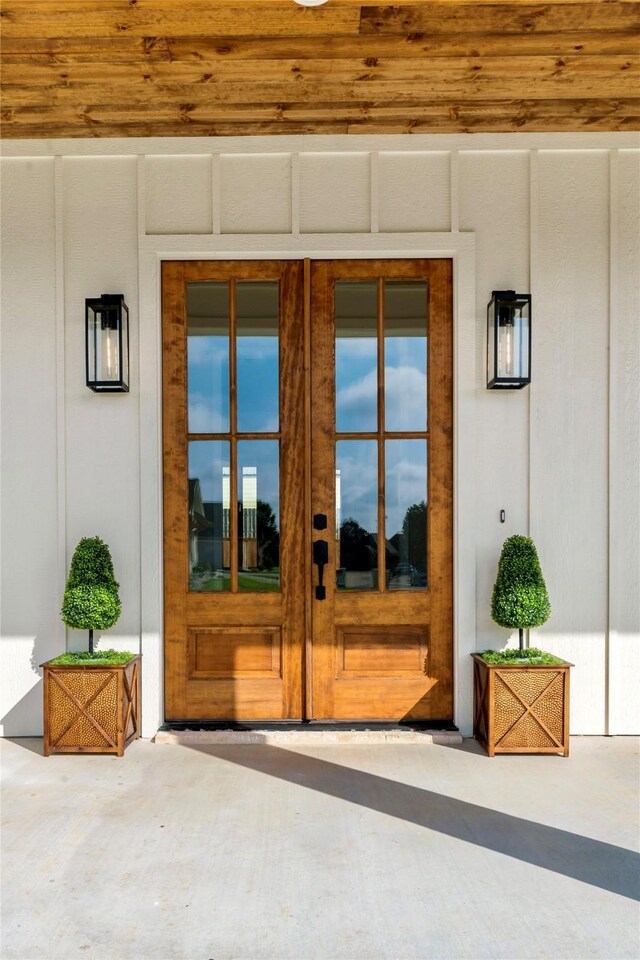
{"x":209,"y":525}
{"x":357,"y":515}
{"x":406,"y":513}
{"x":356,"y":311}
{"x":233,"y":392}
{"x":405,"y":355}
{"x":257,"y":356}
{"x":258,"y":515}
{"x":208,"y":357}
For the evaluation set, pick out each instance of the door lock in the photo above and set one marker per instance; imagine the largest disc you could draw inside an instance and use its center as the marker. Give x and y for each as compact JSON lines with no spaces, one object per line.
{"x":320,"y":558}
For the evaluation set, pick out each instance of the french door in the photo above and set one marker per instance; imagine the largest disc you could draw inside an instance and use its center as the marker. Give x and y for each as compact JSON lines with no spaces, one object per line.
{"x":307,"y":433}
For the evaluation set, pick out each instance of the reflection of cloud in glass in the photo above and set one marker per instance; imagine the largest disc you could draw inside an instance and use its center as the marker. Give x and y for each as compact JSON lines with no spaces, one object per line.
{"x":258,"y":392}
{"x":206,"y":460}
{"x":207,"y":350}
{"x":356,"y":362}
{"x":206,"y":416}
{"x":357,"y":461}
{"x":357,"y":348}
{"x":208,"y":384}
{"x":405,"y":399}
{"x":257,"y":348}
{"x":356,"y":403}
{"x":406,"y":479}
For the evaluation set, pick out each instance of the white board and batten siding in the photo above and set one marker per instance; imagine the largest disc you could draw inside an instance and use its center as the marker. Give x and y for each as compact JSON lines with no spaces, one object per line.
{"x":554,"y":214}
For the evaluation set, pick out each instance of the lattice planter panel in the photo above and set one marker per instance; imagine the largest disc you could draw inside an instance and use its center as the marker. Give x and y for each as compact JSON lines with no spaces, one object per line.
{"x":91,"y":709}
{"x":521,"y":708}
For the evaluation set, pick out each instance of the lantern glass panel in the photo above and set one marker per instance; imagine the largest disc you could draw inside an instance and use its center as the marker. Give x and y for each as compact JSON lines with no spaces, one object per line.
{"x":513,"y":341}
{"x":124,"y":345}
{"x":107,"y":344}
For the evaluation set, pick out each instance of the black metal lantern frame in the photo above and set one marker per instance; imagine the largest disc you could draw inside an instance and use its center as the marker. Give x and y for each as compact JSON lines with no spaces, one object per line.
{"x":107,"y":343}
{"x":508,"y":340}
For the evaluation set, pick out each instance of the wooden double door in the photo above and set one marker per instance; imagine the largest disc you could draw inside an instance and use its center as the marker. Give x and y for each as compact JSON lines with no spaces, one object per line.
{"x":307,"y":434}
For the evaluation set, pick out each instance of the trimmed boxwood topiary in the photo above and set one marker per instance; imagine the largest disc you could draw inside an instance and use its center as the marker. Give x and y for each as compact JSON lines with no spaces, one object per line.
{"x":91,"y":600}
{"x":520,"y":599}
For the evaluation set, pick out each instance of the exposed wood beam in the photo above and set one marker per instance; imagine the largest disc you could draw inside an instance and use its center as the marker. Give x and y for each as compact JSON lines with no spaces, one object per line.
{"x":198,"y":67}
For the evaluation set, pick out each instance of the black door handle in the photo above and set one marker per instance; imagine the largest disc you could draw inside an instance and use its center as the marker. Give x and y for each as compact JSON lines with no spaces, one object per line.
{"x":320,"y":558}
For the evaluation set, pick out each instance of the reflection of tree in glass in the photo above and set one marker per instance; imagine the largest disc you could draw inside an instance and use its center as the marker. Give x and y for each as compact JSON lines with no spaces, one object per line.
{"x":268,"y":536}
{"x":357,"y":548}
{"x":414,"y":534}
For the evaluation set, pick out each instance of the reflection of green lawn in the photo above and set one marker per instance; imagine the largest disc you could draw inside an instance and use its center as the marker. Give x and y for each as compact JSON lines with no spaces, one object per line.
{"x":247,"y":582}
{"x":267,"y":580}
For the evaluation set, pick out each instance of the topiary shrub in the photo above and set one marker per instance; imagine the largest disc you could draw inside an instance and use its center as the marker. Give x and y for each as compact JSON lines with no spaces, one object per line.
{"x":91,"y":600}
{"x":520,"y":599}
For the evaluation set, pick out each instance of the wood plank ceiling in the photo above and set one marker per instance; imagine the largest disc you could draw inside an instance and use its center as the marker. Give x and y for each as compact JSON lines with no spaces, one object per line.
{"x":107,"y":68}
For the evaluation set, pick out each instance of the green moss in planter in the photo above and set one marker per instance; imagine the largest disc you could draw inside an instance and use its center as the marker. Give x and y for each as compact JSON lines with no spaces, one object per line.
{"x":530,"y":655}
{"x":107,"y":658}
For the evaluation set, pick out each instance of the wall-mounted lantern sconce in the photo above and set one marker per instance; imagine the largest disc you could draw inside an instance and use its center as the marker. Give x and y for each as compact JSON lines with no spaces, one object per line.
{"x":107,"y":343}
{"x":508,"y":340}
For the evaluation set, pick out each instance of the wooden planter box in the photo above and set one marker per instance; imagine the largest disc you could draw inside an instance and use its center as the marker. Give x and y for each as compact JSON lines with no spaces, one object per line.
{"x":521,"y":708}
{"x":91,"y":708}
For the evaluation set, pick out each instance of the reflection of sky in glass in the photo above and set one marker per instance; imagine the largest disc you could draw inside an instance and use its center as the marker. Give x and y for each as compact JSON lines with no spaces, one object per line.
{"x":208,"y":379}
{"x":357,"y":461}
{"x":405,"y":481}
{"x":405,"y":381}
{"x":356,"y":356}
{"x":208,"y":357}
{"x":263,"y":455}
{"x":405,"y":358}
{"x":257,"y":310}
{"x":356,"y":385}
{"x":206,"y":460}
{"x":257,"y":359}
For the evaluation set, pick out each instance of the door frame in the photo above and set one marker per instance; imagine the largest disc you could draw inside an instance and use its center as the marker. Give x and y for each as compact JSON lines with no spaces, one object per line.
{"x":460,"y":247}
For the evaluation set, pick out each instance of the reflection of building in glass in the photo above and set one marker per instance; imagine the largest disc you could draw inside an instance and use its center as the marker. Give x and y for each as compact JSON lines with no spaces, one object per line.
{"x":338,"y":516}
{"x":205,"y":519}
{"x":248,"y":512}
{"x":210,"y":523}
{"x":197,"y":520}
{"x":247,"y":518}
{"x":226,"y":505}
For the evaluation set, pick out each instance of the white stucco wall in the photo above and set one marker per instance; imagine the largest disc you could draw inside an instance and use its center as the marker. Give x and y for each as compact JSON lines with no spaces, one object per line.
{"x":556,"y":214}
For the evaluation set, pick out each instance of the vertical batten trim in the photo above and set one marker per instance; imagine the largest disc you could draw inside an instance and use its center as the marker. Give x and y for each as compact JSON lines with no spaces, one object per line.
{"x":454,"y":190}
{"x":141,"y":207}
{"x":216,"y":194}
{"x":295,"y":194}
{"x":141,"y":199}
{"x":375,"y":192}
{"x":534,"y":207}
{"x":613,"y":342}
{"x":61,"y":409}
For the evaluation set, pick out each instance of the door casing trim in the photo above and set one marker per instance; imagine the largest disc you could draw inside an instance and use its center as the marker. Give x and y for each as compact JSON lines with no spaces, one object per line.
{"x":460,"y":247}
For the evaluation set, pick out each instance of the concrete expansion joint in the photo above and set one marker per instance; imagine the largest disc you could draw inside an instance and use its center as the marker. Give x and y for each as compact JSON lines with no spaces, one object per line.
{"x":307,"y":737}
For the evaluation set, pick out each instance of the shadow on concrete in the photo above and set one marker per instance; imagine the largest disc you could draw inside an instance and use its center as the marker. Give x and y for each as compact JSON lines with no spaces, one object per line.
{"x":34,"y":744}
{"x":591,"y":861}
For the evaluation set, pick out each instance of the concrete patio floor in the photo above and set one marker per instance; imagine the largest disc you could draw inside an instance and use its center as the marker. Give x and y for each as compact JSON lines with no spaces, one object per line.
{"x":245,"y":852}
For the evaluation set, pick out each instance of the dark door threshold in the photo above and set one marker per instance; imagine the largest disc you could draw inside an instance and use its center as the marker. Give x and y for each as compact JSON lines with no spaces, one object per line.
{"x":273,"y":725}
